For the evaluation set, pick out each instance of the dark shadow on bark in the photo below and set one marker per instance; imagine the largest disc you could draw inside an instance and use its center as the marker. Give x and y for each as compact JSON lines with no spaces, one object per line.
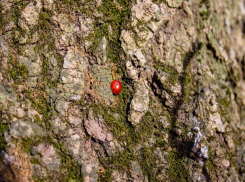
{"x":6,"y":172}
{"x":184,"y":147}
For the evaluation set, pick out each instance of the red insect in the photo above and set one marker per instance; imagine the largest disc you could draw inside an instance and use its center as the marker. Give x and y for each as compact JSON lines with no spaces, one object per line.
{"x":116,"y":86}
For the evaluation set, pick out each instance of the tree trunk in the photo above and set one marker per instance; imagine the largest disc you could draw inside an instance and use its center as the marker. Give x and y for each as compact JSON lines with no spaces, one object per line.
{"x":179,"y":117}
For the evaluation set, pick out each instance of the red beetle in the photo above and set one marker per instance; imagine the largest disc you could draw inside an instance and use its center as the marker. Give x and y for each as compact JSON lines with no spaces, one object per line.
{"x":116,"y":86}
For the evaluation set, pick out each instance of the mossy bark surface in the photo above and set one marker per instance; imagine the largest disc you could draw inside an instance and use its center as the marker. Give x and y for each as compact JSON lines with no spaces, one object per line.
{"x":179,"y":117}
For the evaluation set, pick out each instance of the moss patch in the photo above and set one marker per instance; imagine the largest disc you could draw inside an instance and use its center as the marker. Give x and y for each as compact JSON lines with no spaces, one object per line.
{"x":118,"y":126}
{"x":18,"y":72}
{"x":176,"y":171}
{"x":16,"y":10}
{"x":2,"y":19}
{"x":71,"y":169}
{"x":148,"y":163}
{"x":3,"y":127}
{"x":27,"y":144}
{"x":210,"y":165}
{"x":119,"y":162}
{"x":113,"y":17}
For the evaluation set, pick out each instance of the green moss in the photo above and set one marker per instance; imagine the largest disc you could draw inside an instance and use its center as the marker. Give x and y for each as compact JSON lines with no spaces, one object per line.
{"x":70,"y":6}
{"x":204,"y":9}
{"x":72,"y":170}
{"x":176,"y":170}
{"x":59,"y":58}
{"x":40,"y":104}
{"x":120,"y":127}
{"x":44,"y":23}
{"x":27,"y":144}
{"x":35,"y":161}
{"x":54,"y":83}
{"x":210,"y":164}
{"x":120,"y":108}
{"x":3,"y":127}
{"x":44,"y":29}
{"x":2,"y":19}
{"x":126,"y":134}
{"x":46,"y":44}
{"x":16,"y":10}
{"x":148,"y":163}
{"x":106,"y":175}
{"x":18,"y":72}
{"x":159,"y":1}
{"x":224,"y":106}
{"x":120,"y":162}
{"x":39,"y":99}
{"x":187,"y":84}
{"x":114,"y":19}
{"x":204,"y":14}
{"x":146,"y":127}
{"x":40,"y":180}
{"x":173,"y":73}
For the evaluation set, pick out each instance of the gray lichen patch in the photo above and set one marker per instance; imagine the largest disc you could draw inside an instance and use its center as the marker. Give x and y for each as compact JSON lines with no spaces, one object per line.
{"x":139,"y":103}
{"x":174,"y":3}
{"x":147,"y":17}
{"x":103,"y":79}
{"x":30,"y":15}
{"x":101,"y":51}
{"x":64,"y":35}
{"x":34,"y":70}
{"x":217,"y":123}
{"x":81,"y":151}
{"x":25,"y":129}
{"x":72,"y":75}
{"x":61,"y":106}
{"x":117,"y":176}
{"x":48,"y":156}
{"x":3,"y":94}
{"x":89,"y":169}
{"x":137,"y":173}
{"x":4,"y":47}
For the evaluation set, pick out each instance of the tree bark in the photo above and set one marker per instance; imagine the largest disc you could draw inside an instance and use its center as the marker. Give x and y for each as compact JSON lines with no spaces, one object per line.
{"x":179,"y":116}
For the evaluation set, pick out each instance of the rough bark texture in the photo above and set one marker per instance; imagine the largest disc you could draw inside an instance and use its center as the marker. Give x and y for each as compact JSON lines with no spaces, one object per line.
{"x":180,"y":115}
